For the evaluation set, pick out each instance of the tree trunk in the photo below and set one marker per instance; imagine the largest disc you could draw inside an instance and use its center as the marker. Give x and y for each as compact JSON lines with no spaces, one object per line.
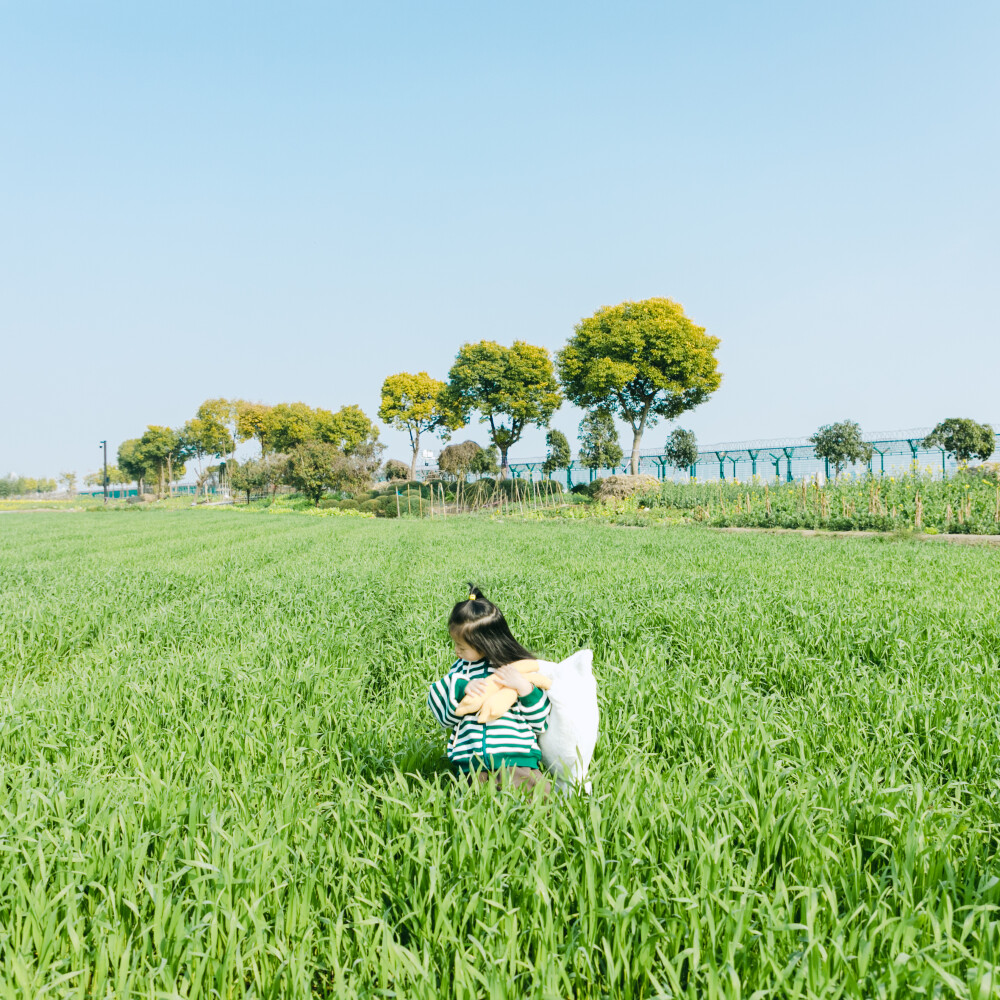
{"x":413,"y":460}
{"x":504,"y":471}
{"x":170,"y":475}
{"x":636,"y":439}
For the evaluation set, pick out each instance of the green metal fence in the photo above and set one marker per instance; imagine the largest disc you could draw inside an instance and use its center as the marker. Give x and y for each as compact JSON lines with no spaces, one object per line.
{"x":784,"y":459}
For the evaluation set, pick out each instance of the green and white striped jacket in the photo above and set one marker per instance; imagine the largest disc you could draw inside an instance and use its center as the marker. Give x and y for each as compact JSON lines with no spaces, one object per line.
{"x":509,"y":741}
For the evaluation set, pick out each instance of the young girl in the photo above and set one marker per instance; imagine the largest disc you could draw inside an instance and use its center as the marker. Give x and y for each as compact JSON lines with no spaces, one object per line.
{"x":508,"y":746}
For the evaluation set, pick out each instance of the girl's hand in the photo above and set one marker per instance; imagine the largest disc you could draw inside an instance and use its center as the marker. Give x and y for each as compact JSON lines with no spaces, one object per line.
{"x":511,"y":677}
{"x":476,"y":687}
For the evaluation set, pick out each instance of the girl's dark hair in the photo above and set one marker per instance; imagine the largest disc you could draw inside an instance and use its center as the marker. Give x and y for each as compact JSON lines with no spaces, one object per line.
{"x":480,"y":623}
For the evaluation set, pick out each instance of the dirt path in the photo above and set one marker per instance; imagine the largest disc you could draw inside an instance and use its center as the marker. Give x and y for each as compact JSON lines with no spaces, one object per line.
{"x":812,"y":532}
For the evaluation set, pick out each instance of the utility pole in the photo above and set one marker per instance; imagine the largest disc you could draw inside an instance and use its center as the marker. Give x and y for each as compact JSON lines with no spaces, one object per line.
{"x":105,"y":444}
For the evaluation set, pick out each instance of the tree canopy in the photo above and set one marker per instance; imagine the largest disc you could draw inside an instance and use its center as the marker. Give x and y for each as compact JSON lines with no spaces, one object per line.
{"x":456,"y":460}
{"x":314,"y":467}
{"x":559,"y":456}
{"x":253,"y":422}
{"x":396,"y":471}
{"x":841,"y":444}
{"x":641,"y":361}
{"x":681,"y":449}
{"x":418,"y":405}
{"x":599,"y":447}
{"x":510,"y":387}
{"x":963,"y":438}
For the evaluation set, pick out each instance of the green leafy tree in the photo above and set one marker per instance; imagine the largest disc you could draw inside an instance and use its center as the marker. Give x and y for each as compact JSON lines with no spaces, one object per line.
{"x":486,"y":462}
{"x":158,"y":446}
{"x":640,"y":361}
{"x":351,"y":431}
{"x":841,"y":444}
{"x":418,"y":405}
{"x":291,"y":424}
{"x":396,"y":471}
{"x":510,"y":388}
{"x":963,"y":438}
{"x":559,"y":456}
{"x":132,"y":461}
{"x":315,"y":467}
{"x":219,"y":417}
{"x":253,"y":423}
{"x":456,"y":460}
{"x":599,"y":447}
{"x":68,"y":479}
{"x":201,"y":437}
{"x":251,"y":477}
{"x":681,"y":449}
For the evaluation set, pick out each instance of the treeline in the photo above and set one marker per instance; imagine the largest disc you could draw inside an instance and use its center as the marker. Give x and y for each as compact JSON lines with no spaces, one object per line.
{"x":638,"y":361}
{"x":15,"y":486}
{"x":293,"y":438}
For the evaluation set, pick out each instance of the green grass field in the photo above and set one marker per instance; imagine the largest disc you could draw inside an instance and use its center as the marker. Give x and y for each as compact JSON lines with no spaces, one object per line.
{"x":219,"y":777}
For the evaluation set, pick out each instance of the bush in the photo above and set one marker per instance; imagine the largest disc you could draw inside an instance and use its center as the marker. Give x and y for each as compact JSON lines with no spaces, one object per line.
{"x":329,"y":503}
{"x":989,"y":471}
{"x":581,"y":489}
{"x":395,"y":470}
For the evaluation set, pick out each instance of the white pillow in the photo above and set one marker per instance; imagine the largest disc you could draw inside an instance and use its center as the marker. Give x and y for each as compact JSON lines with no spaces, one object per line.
{"x":568,"y":744}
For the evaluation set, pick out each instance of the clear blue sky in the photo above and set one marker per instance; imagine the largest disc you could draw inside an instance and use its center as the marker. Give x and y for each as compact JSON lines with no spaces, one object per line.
{"x":290,"y":201}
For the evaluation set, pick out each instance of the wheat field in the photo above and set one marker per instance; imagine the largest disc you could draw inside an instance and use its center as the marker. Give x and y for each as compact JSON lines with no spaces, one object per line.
{"x":220,"y":779}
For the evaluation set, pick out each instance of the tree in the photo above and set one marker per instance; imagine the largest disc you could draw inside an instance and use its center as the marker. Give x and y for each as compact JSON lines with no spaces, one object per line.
{"x":157,"y":448}
{"x":68,"y":479}
{"x":841,"y":444}
{"x":291,"y":424}
{"x":510,"y":387}
{"x":253,"y":422}
{"x":314,"y":467}
{"x":202,"y":437}
{"x":396,"y":471}
{"x":456,"y":460}
{"x":486,"y":462}
{"x":640,"y":361}
{"x":599,"y":447}
{"x":418,"y":405}
{"x":559,"y":456}
{"x":132,"y":461}
{"x":681,"y":449}
{"x":251,"y":477}
{"x":219,"y":417}
{"x":963,"y":438}
{"x":350,"y":430}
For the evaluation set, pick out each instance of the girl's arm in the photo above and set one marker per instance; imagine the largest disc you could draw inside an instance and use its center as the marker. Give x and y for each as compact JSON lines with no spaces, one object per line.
{"x":535,"y":710}
{"x":444,"y":696}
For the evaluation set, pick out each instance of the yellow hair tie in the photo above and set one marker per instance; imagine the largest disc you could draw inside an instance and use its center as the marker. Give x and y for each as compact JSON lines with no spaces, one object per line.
{"x":472,"y":597}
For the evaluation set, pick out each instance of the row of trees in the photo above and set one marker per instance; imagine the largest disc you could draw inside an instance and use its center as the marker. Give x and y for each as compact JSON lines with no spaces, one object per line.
{"x":638,"y":361}
{"x":843,"y":443}
{"x":14,"y":486}
{"x":599,"y":449}
{"x":161,"y":454}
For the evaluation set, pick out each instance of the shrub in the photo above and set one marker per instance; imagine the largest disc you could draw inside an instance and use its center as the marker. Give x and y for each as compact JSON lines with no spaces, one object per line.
{"x":395,"y":470}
